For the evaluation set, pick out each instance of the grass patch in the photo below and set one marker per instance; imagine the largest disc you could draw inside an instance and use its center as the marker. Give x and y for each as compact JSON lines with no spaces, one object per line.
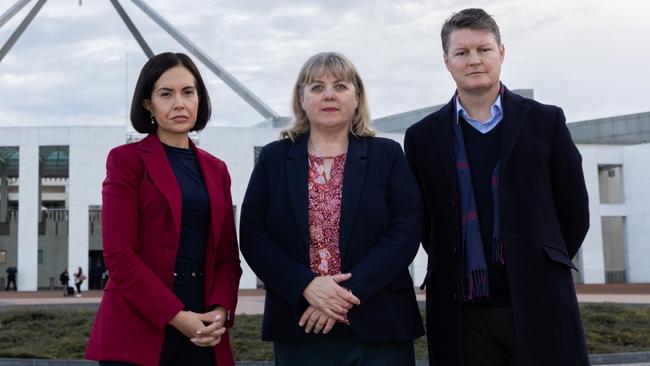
{"x":54,"y":334}
{"x":614,"y":328}
{"x":62,"y":334}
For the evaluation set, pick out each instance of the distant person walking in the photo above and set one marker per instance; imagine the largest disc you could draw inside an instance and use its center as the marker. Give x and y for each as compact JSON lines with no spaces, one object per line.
{"x":11,"y":277}
{"x":64,"y":278}
{"x":79,"y":278}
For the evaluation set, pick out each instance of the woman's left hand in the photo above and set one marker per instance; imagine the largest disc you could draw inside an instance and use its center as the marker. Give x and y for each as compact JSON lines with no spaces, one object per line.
{"x":315,"y":319}
{"x":210,"y":334}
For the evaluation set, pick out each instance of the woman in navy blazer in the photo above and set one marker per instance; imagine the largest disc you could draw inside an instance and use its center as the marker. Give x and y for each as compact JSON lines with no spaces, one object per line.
{"x":330,"y":223}
{"x":168,"y":232}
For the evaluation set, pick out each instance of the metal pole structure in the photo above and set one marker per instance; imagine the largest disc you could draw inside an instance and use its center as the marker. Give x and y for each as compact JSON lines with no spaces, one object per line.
{"x":4,"y":191}
{"x":217,"y":69}
{"x":132,"y":28}
{"x":21,"y":28}
{"x":12,"y":11}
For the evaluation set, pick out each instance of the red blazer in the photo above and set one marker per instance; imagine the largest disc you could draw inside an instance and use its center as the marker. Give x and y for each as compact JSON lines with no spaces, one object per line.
{"x":141,"y":219}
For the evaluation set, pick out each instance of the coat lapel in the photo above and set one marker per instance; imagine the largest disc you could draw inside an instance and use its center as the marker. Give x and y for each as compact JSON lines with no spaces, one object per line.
{"x":216,"y":194}
{"x":162,"y":176}
{"x":443,"y":135}
{"x":297,"y":168}
{"x":353,"y":178}
{"x":514,"y":115}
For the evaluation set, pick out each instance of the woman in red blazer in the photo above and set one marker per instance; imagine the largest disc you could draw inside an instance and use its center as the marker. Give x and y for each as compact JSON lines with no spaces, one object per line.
{"x":168,"y":232}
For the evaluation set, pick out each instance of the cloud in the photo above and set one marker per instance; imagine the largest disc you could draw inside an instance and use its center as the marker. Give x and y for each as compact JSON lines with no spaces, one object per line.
{"x":79,"y":64}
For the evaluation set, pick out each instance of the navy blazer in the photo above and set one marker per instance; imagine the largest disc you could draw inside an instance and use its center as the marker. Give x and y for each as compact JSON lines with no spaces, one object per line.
{"x":379,"y":237}
{"x":544,"y":218}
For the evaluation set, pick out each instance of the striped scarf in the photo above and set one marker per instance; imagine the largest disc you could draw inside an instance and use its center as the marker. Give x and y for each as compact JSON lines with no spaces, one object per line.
{"x":475,"y":285}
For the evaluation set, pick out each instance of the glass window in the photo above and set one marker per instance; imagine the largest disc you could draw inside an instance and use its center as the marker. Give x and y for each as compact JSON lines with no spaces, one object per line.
{"x":610,"y":183}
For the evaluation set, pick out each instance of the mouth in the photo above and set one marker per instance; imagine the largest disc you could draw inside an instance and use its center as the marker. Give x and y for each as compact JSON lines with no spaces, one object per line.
{"x":329,"y":109}
{"x":475,"y":73}
{"x":180,"y":118}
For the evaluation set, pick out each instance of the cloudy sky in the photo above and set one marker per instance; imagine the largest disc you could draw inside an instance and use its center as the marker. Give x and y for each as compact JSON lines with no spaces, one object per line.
{"x":78,"y":64}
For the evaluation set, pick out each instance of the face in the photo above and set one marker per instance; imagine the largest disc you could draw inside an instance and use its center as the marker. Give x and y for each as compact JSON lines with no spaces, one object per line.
{"x":329,"y":103}
{"x":174,"y":102}
{"x":474,"y":60}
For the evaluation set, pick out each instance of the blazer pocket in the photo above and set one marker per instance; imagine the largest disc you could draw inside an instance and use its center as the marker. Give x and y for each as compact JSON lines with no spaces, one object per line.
{"x":558,"y":256}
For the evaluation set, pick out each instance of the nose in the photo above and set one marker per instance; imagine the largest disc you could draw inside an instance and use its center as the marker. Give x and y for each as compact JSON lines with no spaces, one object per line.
{"x":329,"y":93}
{"x":178,"y":101}
{"x":474,"y":58}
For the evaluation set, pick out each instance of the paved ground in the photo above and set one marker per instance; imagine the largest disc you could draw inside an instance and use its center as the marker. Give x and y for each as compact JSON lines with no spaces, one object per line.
{"x":252,"y":301}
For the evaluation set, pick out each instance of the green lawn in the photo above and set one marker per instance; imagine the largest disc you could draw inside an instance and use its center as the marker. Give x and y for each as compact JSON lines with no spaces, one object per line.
{"x":62,"y":334}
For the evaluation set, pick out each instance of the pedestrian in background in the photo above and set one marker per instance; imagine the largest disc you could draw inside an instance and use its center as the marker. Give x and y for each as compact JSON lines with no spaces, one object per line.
{"x":79,"y":278}
{"x":11,"y":277}
{"x":64,"y":278}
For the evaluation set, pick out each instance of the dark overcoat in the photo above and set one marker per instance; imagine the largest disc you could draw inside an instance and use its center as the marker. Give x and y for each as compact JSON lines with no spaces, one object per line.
{"x":545,"y":217}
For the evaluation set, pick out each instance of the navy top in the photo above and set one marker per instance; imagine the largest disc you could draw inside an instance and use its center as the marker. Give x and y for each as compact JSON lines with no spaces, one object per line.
{"x":195,"y":225}
{"x":483,"y":150}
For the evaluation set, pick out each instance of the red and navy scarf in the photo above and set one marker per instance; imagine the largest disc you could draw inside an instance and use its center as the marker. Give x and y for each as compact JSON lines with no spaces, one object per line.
{"x":475,"y":284}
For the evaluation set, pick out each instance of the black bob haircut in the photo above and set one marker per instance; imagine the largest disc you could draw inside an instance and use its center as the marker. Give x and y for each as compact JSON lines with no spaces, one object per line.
{"x":150,"y":73}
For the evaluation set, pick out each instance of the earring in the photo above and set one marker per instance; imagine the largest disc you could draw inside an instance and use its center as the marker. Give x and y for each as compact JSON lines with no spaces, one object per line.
{"x":153,"y":121}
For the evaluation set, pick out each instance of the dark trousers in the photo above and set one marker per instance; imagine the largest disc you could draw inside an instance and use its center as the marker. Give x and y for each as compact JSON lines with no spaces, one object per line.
{"x":487,"y":336}
{"x":341,"y":347}
{"x":11,"y":280}
{"x":177,"y":350}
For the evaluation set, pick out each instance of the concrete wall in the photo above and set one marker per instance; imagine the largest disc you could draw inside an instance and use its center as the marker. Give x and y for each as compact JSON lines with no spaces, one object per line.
{"x":636,"y":177}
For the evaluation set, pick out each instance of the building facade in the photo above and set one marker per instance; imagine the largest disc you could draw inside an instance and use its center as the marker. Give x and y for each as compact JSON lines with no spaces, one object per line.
{"x":51,"y":178}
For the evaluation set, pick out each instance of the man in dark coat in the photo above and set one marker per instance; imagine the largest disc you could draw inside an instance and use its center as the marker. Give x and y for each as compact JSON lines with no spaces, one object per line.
{"x":11,"y":277}
{"x":506,"y":210}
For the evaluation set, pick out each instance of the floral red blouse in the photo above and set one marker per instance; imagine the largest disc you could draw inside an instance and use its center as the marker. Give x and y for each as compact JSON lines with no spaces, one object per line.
{"x":325,"y":214}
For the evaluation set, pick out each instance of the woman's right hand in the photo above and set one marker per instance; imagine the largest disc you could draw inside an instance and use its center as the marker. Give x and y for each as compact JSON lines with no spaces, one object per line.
{"x":327,"y":295}
{"x":187,"y":322}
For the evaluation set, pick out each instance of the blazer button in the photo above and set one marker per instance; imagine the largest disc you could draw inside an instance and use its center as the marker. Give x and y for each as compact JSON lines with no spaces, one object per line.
{"x":453,"y":203}
{"x":454,"y":296}
{"x":453,"y":249}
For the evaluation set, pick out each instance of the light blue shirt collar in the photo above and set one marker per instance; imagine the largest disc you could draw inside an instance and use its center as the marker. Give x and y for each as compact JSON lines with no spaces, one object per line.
{"x":487,"y":126}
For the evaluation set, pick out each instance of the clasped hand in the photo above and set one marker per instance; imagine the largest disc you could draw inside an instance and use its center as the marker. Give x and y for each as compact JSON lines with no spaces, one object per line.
{"x":204,"y":330}
{"x":329,"y":303}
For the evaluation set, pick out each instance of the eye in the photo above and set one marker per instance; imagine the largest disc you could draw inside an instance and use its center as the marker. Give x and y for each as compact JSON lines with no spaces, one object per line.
{"x":459,"y":53}
{"x":485,"y":49}
{"x":188,"y":92}
{"x":341,"y":86}
{"x":317,"y":88}
{"x":165,"y":94}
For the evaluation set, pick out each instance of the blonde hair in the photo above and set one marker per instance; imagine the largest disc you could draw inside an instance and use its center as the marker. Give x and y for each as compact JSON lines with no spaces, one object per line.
{"x":341,"y":68}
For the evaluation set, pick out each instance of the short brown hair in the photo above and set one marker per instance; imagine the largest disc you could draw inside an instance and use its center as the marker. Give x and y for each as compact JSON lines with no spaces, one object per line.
{"x":342,"y":68}
{"x":472,"y":18}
